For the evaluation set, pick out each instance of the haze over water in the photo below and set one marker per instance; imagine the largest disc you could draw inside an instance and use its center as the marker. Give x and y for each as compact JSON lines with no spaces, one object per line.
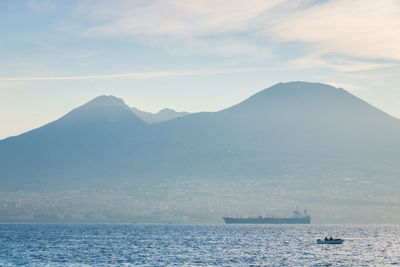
{"x":169,"y":115}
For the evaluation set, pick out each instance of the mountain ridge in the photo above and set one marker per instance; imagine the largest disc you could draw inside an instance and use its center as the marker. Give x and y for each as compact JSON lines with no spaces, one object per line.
{"x":162,"y":115}
{"x":292,"y":105}
{"x":313,"y":143}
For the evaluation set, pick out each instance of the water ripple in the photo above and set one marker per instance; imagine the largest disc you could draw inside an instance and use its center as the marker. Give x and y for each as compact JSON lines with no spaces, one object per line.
{"x":196,"y":245}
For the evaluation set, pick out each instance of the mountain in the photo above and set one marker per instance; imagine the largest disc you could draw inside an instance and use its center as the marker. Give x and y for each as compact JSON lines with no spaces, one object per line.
{"x":285,"y":123}
{"x":92,"y":138}
{"x":161,"y":116}
{"x":292,"y":143}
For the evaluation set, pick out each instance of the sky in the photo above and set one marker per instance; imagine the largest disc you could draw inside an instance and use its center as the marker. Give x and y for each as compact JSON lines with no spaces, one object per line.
{"x":202,"y":55}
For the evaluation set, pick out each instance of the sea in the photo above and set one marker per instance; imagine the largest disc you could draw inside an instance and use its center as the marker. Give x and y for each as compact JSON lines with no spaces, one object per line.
{"x":197,"y":245}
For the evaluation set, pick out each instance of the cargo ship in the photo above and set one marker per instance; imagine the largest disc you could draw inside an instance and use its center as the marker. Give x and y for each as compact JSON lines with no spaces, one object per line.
{"x":297,"y":218}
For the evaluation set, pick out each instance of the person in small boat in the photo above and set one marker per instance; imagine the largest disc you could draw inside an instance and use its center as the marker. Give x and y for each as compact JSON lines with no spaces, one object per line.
{"x":330,"y":238}
{"x":326,"y":238}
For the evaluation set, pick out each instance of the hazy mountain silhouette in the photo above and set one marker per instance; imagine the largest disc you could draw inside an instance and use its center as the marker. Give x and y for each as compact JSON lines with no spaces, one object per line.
{"x":161,"y":116}
{"x":288,"y":123}
{"x":88,"y":142}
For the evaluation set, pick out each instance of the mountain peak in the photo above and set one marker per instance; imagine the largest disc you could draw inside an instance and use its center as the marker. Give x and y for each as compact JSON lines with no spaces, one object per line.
{"x":161,"y":116}
{"x":312,"y":102}
{"x":108,"y":108}
{"x":300,"y":88}
{"x":171,"y":112}
{"x":295,"y":93}
{"x":105,"y":100}
{"x":166,"y":110}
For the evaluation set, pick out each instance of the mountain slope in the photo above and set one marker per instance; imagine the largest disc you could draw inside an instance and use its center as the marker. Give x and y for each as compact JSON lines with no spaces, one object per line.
{"x":91,"y":139}
{"x":289,"y":123}
{"x":296,"y":143}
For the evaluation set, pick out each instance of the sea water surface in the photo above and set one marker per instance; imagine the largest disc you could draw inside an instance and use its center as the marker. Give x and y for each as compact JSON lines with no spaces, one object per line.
{"x":196,"y":245}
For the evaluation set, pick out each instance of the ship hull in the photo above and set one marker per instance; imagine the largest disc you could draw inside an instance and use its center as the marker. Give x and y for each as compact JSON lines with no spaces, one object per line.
{"x":303,"y":220}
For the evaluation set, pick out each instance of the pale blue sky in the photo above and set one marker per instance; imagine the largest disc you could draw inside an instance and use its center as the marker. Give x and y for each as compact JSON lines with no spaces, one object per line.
{"x":189,"y":55}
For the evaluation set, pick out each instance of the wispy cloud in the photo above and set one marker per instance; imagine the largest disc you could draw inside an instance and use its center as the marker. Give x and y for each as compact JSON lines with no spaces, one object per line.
{"x":178,"y":19}
{"x":361,"y":28}
{"x":225,"y":28}
{"x":42,"y":6}
{"x":342,"y":64}
{"x":367,"y":29}
{"x":138,"y":75}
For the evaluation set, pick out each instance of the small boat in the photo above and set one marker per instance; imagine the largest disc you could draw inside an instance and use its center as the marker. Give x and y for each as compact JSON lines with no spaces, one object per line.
{"x":330,"y":241}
